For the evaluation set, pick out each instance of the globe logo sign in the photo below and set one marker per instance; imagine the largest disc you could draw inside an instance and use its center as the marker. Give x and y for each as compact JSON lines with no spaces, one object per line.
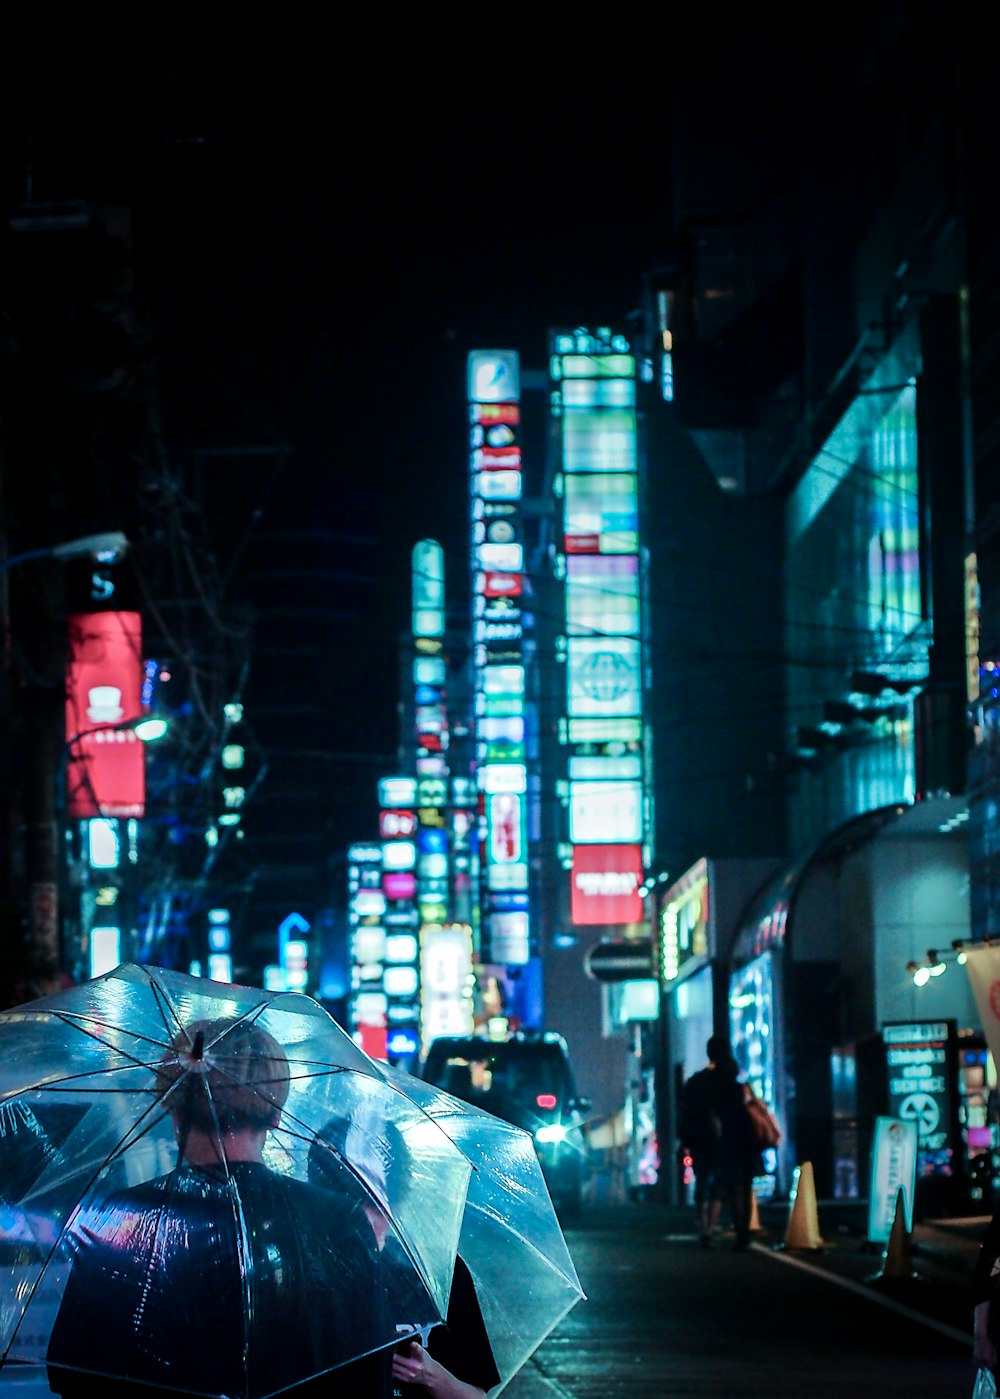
{"x":605,"y":676}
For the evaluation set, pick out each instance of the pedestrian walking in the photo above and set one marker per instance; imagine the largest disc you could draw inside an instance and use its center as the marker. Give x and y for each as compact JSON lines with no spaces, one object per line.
{"x":715,"y":1128}
{"x":739,"y":1156}
{"x":455,"y":1360}
{"x":700,"y":1131}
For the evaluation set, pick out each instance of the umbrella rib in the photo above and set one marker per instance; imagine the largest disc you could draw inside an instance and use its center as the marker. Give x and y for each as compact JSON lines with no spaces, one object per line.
{"x":504,"y":1221}
{"x":92,"y":1028}
{"x":307,"y":1134}
{"x":130,"y":1024}
{"x":62,"y":1085}
{"x":116,"y":1151}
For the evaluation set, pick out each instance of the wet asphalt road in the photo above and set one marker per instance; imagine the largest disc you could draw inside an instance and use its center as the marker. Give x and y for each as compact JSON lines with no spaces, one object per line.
{"x":664,"y":1318}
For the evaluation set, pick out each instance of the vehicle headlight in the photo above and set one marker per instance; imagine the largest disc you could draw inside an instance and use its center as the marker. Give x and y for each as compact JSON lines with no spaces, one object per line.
{"x":553,"y":1132}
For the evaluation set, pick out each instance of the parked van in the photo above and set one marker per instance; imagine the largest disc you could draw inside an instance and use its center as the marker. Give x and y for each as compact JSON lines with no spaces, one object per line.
{"x":527,"y":1080}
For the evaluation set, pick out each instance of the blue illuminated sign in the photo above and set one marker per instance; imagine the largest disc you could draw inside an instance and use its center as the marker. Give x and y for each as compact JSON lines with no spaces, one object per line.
{"x":402,"y":1043}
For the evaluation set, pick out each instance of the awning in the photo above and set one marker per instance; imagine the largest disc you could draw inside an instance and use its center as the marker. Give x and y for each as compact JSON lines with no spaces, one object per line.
{"x":767,"y":921}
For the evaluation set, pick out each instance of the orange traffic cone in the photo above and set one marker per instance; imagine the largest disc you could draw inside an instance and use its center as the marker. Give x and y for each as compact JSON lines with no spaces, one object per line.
{"x":897,"y":1259}
{"x":802,"y":1230}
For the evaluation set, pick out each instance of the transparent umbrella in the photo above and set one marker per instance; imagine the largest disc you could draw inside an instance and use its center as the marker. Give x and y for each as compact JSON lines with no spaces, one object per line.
{"x":511,"y":1239}
{"x":158,"y":1220}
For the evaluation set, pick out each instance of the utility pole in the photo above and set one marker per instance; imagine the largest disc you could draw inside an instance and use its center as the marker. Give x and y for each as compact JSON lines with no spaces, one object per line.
{"x":33,"y":727}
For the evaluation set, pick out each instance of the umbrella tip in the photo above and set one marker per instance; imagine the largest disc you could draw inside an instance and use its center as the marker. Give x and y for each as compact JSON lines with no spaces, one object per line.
{"x":198,"y":1048}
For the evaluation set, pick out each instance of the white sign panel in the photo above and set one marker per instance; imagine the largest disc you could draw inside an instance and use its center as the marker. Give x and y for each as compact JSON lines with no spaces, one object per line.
{"x":494,"y":376}
{"x":509,"y":938}
{"x":894,"y":1168}
{"x":604,"y":676}
{"x":605,"y":813}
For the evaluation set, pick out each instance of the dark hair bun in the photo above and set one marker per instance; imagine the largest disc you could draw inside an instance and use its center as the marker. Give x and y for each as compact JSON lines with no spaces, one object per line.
{"x":224,"y":1074}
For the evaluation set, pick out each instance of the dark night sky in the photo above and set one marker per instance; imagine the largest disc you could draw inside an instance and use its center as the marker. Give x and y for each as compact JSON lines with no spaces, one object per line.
{"x":322,"y":261}
{"x":318,"y":260}
{"x":338,"y":290}
{"x":324,"y":228}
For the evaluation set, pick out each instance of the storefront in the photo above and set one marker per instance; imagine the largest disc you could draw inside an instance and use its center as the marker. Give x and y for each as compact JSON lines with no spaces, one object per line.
{"x":821,"y":971}
{"x":694,"y":919}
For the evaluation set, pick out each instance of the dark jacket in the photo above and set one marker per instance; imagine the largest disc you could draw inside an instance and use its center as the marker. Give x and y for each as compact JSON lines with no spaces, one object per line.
{"x":739,"y":1156}
{"x":461,"y":1345}
{"x":238,"y":1286}
{"x":699,"y":1123}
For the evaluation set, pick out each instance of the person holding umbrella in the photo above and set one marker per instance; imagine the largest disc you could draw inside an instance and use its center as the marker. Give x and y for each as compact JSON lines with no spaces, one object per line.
{"x":162,"y":1272}
{"x":460,"y":1347}
{"x":455,"y":1361}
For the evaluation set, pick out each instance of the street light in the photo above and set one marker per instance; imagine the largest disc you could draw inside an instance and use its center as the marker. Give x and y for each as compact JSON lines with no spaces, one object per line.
{"x":149,"y":728}
{"x":106,"y":548}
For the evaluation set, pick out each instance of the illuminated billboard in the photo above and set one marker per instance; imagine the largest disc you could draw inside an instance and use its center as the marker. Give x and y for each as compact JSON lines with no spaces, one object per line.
{"x":602,"y":595}
{"x":593,"y":400}
{"x":504,"y":824}
{"x":604,"y":675}
{"x":601,"y":514}
{"x":395,"y":977}
{"x":494,"y":377}
{"x":106,"y":765}
{"x":605,"y":811}
{"x":366,"y":913}
{"x":446,"y":981}
{"x":499,"y":585}
{"x":606,"y":882}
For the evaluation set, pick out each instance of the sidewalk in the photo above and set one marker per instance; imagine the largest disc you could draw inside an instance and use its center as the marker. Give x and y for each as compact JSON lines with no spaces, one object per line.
{"x":949,"y":1244}
{"x":935,"y":1281}
{"x":931,"y":1275}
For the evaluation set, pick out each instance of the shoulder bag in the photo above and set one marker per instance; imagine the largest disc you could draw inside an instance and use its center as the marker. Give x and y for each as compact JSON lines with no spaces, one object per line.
{"x":764,"y":1125}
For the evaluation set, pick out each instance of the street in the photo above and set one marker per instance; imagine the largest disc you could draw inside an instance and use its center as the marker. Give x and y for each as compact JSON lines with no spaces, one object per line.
{"x":664,"y":1318}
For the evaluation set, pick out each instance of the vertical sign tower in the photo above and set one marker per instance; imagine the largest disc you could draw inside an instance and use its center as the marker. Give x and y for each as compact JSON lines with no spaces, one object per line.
{"x":445,"y":946}
{"x":498,"y":586}
{"x":594,"y":402}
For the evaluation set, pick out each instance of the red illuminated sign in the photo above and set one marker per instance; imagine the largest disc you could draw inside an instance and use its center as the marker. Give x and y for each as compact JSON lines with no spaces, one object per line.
{"x":106,"y":766}
{"x":397,"y":825}
{"x":372,"y":1039}
{"x":505,"y":828}
{"x":497,"y":413}
{"x":497,"y":459}
{"x":582,"y":544}
{"x":606,"y":880}
{"x":502,"y":584}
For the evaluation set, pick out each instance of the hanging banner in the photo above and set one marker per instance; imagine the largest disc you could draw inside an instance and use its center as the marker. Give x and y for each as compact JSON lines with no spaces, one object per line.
{"x":982,"y":963}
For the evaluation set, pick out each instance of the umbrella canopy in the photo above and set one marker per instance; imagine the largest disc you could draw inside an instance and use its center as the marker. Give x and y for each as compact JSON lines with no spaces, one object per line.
{"x":511,"y":1238}
{"x":159,"y":1216}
